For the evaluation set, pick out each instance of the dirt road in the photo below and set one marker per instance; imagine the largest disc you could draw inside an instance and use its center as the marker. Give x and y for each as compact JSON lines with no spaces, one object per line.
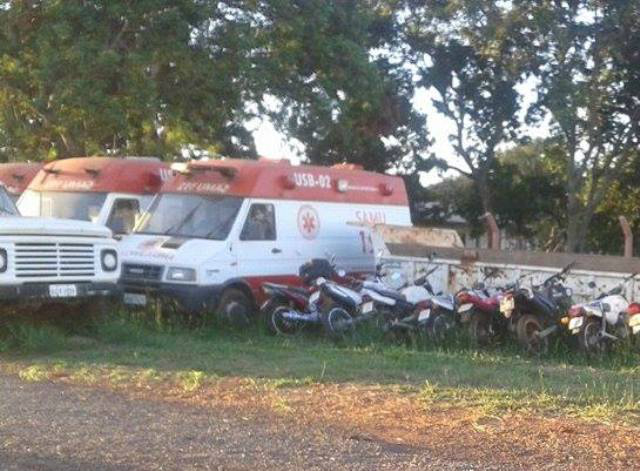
{"x":47,"y":426}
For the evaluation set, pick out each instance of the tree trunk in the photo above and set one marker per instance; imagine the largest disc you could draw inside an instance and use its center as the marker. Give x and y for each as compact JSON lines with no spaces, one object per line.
{"x":486,"y":198}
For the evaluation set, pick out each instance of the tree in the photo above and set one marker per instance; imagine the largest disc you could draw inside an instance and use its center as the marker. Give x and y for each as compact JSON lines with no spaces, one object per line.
{"x":460,"y":53}
{"x":162,"y":77}
{"x":330,"y":64}
{"x":529,"y":198}
{"x":584,"y":88}
{"x":146,"y":77}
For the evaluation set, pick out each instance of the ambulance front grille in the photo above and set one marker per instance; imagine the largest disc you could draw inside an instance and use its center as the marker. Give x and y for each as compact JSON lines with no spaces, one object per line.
{"x":137,"y":272}
{"x":54,"y":260}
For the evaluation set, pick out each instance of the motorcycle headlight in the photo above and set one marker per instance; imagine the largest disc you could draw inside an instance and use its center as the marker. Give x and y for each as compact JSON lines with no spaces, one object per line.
{"x":4,"y":261}
{"x":109,"y":260}
{"x":181,"y":274}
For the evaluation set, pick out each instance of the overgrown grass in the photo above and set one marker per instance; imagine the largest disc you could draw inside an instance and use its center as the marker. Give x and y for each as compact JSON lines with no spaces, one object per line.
{"x":128,"y":350}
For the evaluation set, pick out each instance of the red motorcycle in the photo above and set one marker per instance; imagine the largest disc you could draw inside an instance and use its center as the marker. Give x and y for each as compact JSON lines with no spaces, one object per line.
{"x":479,"y":309}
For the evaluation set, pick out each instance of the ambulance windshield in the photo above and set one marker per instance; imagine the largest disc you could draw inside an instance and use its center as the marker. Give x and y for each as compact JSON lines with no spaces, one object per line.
{"x":192,"y":216}
{"x":84,"y":206}
{"x":7,"y":208}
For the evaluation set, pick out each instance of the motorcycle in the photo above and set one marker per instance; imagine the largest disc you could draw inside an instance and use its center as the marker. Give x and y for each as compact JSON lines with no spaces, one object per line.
{"x":404,"y":311}
{"x":479,"y":309}
{"x":534,"y":313}
{"x":290,"y":308}
{"x":600,"y":323}
{"x":341,"y":308}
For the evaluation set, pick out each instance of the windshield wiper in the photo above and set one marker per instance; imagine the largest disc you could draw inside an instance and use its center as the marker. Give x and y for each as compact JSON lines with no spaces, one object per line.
{"x":219,"y":226}
{"x":176,"y":227}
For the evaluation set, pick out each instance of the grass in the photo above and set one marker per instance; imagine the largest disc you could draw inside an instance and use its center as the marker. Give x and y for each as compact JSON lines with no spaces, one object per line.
{"x":126,"y":351}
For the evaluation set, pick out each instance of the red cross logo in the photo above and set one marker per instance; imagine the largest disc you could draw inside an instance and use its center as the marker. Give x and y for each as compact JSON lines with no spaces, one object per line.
{"x":308,"y":222}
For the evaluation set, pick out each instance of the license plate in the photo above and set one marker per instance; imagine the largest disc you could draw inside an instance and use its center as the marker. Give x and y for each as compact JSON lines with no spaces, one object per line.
{"x":63,"y":291}
{"x":576,"y":323}
{"x":507,"y":305}
{"x":635,"y":320}
{"x":367,"y":307}
{"x":424,"y":315}
{"x":465,"y":307}
{"x":135,"y":299}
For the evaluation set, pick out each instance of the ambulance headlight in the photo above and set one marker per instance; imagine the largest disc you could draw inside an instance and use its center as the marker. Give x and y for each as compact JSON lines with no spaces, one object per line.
{"x":4,"y":260}
{"x":109,"y":260}
{"x":181,"y":274}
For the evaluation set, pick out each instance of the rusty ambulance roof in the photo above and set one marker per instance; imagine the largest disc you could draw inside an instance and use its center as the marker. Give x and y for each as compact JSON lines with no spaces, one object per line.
{"x":16,"y":176}
{"x":266,"y":178}
{"x":137,"y":175}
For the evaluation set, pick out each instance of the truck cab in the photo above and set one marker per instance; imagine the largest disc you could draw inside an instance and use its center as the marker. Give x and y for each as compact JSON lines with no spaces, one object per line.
{"x":221,"y":228}
{"x":106,"y":191}
{"x":50,"y":261}
{"x":16,"y":176}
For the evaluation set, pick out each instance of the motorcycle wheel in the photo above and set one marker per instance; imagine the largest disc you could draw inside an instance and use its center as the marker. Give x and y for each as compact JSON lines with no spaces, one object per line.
{"x":338,"y":323}
{"x":481,"y":329}
{"x":527,"y":328}
{"x":589,"y":337}
{"x":440,"y":326}
{"x":277,"y":324}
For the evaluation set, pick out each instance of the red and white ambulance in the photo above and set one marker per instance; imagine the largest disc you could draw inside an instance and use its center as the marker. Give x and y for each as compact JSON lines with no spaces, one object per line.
{"x":16,"y":176}
{"x":220,"y":228}
{"x":108,"y":191}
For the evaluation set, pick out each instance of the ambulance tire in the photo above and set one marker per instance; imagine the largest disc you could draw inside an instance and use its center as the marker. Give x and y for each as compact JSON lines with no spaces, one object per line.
{"x":235,"y":307}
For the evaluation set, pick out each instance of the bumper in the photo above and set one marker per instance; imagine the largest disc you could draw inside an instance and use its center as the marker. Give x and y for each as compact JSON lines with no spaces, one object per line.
{"x":32,"y":293}
{"x":191,"y":298}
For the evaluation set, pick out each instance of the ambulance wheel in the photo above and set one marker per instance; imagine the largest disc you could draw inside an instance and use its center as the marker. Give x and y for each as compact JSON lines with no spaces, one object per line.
{"x":235,"y":307}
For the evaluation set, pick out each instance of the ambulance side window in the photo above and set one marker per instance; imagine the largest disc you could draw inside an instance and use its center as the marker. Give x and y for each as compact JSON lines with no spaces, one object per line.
{"x":123,"y":215}
{"x":260,"y":223}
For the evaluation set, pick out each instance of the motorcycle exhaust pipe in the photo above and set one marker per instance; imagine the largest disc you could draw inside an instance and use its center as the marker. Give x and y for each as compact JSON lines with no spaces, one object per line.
{"x":548,"y":331}
{"x":296,"y":316}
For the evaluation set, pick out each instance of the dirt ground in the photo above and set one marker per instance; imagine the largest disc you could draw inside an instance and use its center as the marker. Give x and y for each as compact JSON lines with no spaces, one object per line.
{"x":234,"y":425}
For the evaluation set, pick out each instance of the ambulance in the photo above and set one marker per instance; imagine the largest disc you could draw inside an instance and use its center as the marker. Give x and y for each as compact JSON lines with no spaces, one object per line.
{"x":108,"y":191}
{"x":16,"y":176}
{"x":221,"y":228}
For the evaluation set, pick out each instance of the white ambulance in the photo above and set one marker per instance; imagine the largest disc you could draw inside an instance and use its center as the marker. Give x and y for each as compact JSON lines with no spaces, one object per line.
{"x":108,"y":191}
{"x":51,"y":261}
{"x":221,"y":228}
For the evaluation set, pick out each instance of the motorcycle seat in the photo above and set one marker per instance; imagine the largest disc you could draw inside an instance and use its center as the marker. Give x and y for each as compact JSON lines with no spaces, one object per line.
{"x":385,"y":292}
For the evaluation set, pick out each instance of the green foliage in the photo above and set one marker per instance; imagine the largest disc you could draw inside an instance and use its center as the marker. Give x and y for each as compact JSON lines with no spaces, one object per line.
{"x":161,"y":77}
{"x":147,"y":77}
{"x":341,"y":92}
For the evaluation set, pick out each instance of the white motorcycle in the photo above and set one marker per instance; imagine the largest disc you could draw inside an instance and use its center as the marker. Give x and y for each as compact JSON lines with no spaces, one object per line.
{"x":602,"y":322}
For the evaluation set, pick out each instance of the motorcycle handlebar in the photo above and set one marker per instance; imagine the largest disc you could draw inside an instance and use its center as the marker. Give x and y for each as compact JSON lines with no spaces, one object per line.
{"x":560,"y":274}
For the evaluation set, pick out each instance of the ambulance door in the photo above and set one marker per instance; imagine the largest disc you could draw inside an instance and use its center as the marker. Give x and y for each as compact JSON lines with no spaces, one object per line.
{"x":260,"y":251}
{"x":121,"y":212}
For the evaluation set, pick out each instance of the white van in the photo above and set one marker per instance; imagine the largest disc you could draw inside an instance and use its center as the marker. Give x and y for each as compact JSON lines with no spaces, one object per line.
{"x":221,"y":228}
{"x":49,"y":261}
{"x":108,"y":191}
